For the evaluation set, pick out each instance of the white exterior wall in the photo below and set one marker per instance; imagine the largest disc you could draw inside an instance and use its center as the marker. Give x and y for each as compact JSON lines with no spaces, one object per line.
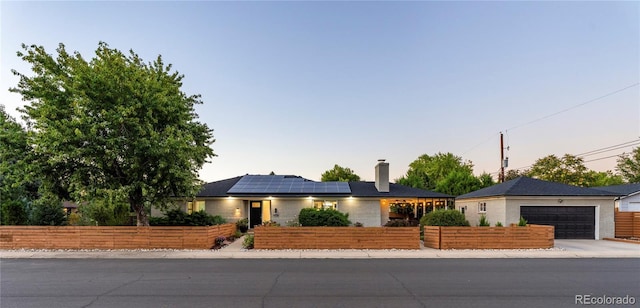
{"x":496,"y":211}
{"x":629,"y":203}
{"x":365,"y":211}
{"x":231,"y":209}
{"x":605,"y":224}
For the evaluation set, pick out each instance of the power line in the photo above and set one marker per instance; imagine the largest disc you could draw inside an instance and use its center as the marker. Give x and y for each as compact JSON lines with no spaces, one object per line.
{"x":576,"y":106}
{"x":611,"y":148}
{"x":601,"y":158}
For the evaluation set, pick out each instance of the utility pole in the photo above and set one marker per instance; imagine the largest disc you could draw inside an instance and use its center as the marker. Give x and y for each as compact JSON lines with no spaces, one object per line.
{"x":501,"y":175}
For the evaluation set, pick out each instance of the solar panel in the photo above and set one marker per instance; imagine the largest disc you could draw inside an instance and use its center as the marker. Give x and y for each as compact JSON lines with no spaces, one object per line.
{"x":280,"y":184}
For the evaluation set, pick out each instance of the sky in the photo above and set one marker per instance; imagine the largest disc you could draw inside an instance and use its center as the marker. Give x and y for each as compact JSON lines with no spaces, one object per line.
{"x":297,"y":87}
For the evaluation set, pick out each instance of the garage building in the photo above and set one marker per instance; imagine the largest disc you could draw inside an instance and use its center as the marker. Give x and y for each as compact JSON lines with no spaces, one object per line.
{"x":576,"y":212}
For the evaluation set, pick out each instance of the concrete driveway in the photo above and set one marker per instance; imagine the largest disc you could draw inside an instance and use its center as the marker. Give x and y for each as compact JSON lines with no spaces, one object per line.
{"x":597,"y":246}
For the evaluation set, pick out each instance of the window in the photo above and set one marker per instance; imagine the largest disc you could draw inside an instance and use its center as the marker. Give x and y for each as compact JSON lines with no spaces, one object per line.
{"x":482,"y":207}
{"x":440,"y":205}
{"x":195,"y":206}
{"x":325,"y":204}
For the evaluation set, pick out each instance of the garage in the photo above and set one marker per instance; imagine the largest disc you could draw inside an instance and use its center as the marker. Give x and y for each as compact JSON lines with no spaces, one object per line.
{"x":570,"y":222}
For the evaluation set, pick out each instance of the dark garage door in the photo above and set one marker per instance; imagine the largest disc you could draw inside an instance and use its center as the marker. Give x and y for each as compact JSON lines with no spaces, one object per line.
{"x":570,"y":222}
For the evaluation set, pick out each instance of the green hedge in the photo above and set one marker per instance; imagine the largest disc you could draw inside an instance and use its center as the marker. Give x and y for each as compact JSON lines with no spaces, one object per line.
{"x":310,"y":217}
{"x":444,"y":218}
{"x":179,"y":218}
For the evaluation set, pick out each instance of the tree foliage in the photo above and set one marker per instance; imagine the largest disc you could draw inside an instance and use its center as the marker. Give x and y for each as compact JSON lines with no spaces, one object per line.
{"x":628,"y":165}
{"x":340,"y":174}
{"x":568,"y":169}
{"x":426,"y":171}
{"x":458,"y":183}
{"x":114,"y":124}
{"x":571,"y":170}
{"x":445,"y":173}
{"x":514,"y":174}
{"x":18,"y":186}
{"x":48,"y":211}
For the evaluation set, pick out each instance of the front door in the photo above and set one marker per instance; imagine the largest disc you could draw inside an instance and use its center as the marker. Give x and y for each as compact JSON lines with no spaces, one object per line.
{"x":255,"y":213}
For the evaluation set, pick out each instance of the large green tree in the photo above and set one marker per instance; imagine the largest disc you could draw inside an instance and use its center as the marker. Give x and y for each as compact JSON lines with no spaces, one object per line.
{"x":339,"y":173}
{"x":426,"y":171}
{"x":18,"y":186}
{"x":112,"y":125}
{"x":628,"y":165}
{"x":568,"y":169}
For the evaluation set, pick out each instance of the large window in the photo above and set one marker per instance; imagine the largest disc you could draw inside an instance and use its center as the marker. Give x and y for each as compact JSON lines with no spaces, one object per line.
{"x":325,"y":204}
{"x":195,"y":206}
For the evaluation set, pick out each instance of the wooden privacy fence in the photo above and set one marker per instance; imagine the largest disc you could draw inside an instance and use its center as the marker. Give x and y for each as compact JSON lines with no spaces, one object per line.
{"x":627,"y":224}
{"x":88,"y":237}
{"x":531,"y":236}
{"x":337,"y":238}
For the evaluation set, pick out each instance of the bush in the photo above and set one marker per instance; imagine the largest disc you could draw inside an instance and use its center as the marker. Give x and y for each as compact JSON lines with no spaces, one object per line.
{"x":310,"y":217}
{"x":401,"y":223}
{"x":358,"y":224}
{"x":444,"y":218}
{"x":270,"y":223}
{"x":49,"y":213}
{"x":522,"y":222}
{"x":498,"y":224}
{"x":14,"y":213}
{"x":220,"y":240}
{"x":292,"y":223}
{"x":177,"y":217}
{"x":248,"y":241}
{"x":243,"y":225}
{"x":484,"y":222}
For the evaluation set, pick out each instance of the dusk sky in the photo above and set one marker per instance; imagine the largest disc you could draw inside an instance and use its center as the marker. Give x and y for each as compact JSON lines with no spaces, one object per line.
{"x":296,"y":87}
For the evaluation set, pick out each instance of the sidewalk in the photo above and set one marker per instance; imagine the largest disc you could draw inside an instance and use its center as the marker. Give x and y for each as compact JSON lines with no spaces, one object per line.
{"x":562,"y":249}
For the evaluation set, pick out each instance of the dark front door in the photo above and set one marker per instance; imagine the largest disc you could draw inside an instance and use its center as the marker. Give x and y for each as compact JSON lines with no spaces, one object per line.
{"x":570,"y":222}
{"x":255,"y":213}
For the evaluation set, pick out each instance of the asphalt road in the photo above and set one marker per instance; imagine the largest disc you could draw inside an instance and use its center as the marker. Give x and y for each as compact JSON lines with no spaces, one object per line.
{"x":313,"y":282}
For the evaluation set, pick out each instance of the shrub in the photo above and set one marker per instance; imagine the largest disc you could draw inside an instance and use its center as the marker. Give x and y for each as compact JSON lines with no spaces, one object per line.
{"x":358,"y":224}
{"x":310,"y":217}
{"x":498,"y":224}
{"x":177,"y":217}
{"x":292,"y":223}
{"x":237,"y":234}
{"x":14,"y":213}
{"x":243,"y":225}
{"x":522,"y":222}
{"x":220,"y":240}
{"x":270,"y":223}
{"x":484,"y":222}
{"x":248,"y":241}
{"x":48,"y":212}
{"x":444,"y":218}
{"x":401,"y":223}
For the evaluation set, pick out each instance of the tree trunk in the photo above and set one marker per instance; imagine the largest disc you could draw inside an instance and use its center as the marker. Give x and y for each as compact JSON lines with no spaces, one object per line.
{"x":141,"y":216}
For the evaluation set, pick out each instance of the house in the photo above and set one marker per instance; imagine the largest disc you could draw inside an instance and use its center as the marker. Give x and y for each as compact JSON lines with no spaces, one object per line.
{"x":280,"y":198}
{"x":576,"y":212}
{"x":629,"y":200}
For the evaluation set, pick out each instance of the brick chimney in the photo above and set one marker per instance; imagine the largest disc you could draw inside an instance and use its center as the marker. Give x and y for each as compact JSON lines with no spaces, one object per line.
{"x":382,"y":176}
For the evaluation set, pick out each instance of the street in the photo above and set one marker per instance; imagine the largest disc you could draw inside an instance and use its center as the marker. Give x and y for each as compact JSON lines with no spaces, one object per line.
{"x":314,"y":282}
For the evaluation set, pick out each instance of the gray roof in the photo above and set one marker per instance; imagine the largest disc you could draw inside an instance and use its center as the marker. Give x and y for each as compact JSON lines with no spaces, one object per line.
{"x":368,"y":189}
{"x":525,"y":186}
{"x":358,"y":189}
{"x":623,"y":190}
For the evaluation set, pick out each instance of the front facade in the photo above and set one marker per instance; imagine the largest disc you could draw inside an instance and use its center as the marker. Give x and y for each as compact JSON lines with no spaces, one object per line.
{"x":575,"y":212}
{"x":280,"y":198}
